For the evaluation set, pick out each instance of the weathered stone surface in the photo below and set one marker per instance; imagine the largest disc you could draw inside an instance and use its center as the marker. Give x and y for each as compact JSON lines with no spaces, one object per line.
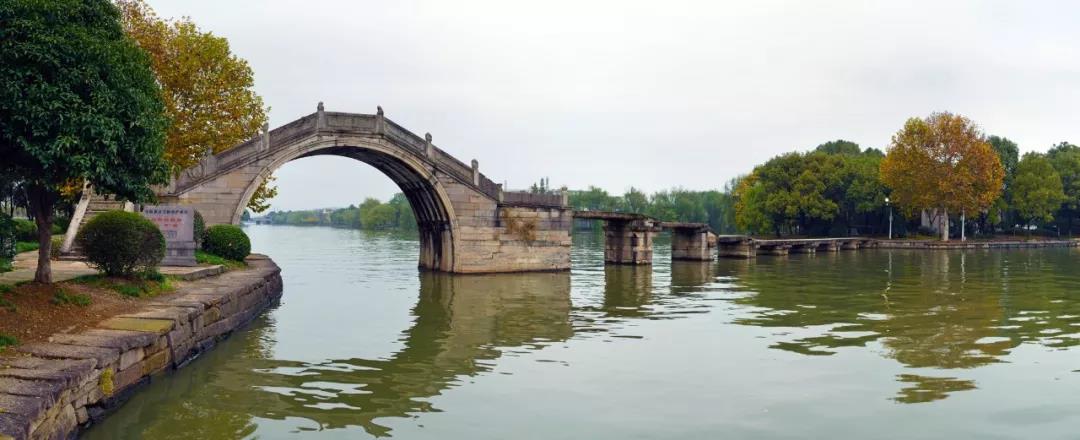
{"x":103,"y":356}
{"x":159,"y":326}
{"x":47,"y":390}
{"x":180,"y":315}
{"x":130,"y":357}
{"x":63,"y":378}
{"x":29,"y":407}
{"x":40,"y":363}
{"x":13,"y":426}
{"x":120,"y":339}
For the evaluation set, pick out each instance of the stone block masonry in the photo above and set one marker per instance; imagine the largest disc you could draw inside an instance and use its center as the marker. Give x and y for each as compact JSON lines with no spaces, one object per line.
{"x":52,"y":390}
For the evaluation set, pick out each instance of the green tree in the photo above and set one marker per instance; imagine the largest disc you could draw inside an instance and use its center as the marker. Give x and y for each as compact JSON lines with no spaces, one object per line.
{"x":1065,"y":158}
{"x":78,"y":101}
{"x":750,"y":214}
{"x":1037,"y":190}
{"x":1009,"y":154}
{"x":403,"y":213}
{"x":839,"y":146}
{"x":634,"y":200}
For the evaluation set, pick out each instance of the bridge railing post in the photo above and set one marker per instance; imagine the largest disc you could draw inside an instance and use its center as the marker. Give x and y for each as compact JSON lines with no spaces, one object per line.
{"x":475,"y":172}
{"x":429,"y":148}
{"x":379,"y":120}
{"x":320,"y":117}
{"x":264,"y":145}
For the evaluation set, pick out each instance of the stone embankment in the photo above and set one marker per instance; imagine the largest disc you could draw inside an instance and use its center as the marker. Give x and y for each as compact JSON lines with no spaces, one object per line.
{"x":52,"y":390}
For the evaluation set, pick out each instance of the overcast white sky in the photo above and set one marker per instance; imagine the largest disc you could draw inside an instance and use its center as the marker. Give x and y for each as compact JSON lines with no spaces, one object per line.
{"x":646,"y":94}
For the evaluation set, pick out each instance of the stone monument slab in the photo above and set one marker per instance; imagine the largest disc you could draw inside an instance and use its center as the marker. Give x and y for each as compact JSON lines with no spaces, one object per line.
{"x":177,"y":224}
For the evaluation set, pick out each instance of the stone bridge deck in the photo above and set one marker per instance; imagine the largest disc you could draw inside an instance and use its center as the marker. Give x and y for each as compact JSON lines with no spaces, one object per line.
{"x":628,"y":237}
{"x":742,"y":246}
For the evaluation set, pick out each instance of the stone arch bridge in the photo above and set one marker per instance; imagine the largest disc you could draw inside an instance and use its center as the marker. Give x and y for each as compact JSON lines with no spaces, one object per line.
{"x":467,"y":223}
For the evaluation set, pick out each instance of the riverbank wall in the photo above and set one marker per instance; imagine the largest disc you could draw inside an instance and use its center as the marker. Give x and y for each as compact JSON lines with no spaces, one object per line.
{"x":53,"y":390}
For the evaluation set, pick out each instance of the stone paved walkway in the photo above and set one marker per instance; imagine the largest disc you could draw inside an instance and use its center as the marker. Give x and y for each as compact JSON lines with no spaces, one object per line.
{"x":25,"y":264}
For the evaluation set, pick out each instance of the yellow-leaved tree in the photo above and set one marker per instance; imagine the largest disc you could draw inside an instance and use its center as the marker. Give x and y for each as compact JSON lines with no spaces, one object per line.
{"x":208,"y":91}
{"x":942,"y":162}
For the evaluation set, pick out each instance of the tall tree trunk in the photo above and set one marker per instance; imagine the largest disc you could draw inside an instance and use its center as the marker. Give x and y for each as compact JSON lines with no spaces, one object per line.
{"x":42,"y":200}
{"x":944,"y":224}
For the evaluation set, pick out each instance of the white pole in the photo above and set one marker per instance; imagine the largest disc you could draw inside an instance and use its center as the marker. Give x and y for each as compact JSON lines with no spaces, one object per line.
{"x":963,"y":225}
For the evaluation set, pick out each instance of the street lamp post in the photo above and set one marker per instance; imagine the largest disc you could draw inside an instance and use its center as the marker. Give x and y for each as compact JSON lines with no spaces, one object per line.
{"x":890,"y":217}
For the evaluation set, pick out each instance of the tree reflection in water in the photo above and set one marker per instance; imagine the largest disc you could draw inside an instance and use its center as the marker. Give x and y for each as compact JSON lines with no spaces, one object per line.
{"x":939,"y":310}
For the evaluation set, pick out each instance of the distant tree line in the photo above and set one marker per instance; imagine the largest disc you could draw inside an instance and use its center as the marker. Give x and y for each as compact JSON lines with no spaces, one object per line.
{"x":936,"y":168}
{"x":939,"y":168}
{"x":372,"y":214}
{"x":715,"y":207}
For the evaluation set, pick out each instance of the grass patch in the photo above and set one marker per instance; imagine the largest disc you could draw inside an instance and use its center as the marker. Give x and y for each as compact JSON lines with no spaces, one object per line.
{"x":77,"y":299}
{"x":203,"y":257}
{"x":141,"y":286}
{"x":7,"y":340}
{"x":5,"y":265}
{"x":24,"y":246}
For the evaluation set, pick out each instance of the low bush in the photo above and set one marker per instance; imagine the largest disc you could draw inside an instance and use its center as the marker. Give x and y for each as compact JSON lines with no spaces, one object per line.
{"x":26,"y":246}
{"x":25,"y":230}
{"x":200,"y":229}
{"x":203,"y":257}
{"x":121,"y":243}
{"x":227,"y":241}
{"x":54,"y":250}
{"x":7,"y":237}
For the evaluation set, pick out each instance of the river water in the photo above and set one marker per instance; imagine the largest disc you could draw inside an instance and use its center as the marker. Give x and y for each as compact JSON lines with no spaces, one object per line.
{"x":870,"y":344}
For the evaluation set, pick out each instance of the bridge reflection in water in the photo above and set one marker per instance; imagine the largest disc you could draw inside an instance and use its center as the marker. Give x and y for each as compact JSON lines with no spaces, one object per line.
{"x":460,"y":322}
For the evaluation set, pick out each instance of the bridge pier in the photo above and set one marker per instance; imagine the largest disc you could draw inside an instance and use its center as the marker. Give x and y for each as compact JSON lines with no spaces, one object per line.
{"x":629,"y":242}
{"x":690,"y":244}
{"x":774,"y":249}
{"x":829,"y":246}
{"x":850,"y":245}
{"x":734,"y":247}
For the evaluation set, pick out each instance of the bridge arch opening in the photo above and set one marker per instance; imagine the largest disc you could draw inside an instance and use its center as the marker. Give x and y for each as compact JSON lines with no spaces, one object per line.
{"x":429,"y":201}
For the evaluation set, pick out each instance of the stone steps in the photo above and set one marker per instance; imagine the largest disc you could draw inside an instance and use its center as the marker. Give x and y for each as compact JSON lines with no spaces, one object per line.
{"x":97,"y":204}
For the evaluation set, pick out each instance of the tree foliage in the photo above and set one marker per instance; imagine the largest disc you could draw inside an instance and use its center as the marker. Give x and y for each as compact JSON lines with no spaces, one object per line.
{"x":839,"y":146}
{"x":209,"y":93}
{"x":78,"y":101}
{"x":828,"y":191}
{"x":371,"y":214}
{"x":1037,"y":191}
{"x":943,"y":162}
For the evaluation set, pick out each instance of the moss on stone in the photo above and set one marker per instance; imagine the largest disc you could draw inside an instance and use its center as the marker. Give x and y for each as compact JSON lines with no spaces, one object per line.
{"x":106,"y":382}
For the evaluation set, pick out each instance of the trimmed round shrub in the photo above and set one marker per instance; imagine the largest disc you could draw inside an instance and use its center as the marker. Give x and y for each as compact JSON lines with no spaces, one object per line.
{"x":122,"y":243}
{"x":200,"y":229}
{"x":227,"y":241}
